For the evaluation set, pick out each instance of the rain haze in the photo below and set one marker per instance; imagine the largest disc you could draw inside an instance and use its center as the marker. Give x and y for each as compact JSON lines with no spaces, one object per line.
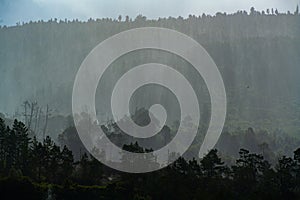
{"x":204,"y":92}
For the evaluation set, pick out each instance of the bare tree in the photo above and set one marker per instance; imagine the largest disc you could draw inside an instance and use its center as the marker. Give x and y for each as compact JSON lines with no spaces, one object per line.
{"x":47,"y":114}
{"x":37,"y":110}
{"x":32,"y":110}
{"x":38,"y":120}
{"x":25,"y":106}
{"x":46,"y":121}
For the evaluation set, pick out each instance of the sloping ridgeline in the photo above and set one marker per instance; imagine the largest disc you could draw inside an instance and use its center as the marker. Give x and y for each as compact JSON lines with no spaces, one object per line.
{"x":257,"y":54}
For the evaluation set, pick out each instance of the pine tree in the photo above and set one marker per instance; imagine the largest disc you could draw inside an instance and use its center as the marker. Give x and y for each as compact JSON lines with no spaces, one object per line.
{"x":3,"y":147}
{"x":285,"y":171}
{"x":297,"y":10}
{"x":252,"y":11}
{"x":47,"y":147}
{"x":37,"y":159}
{"x":20,"y":131}
{"x":11,"y":149}
{"x":55,"y":161}
{"x":120,"y":18}
{"x":67,"y":162}
{"x":212,"y":164}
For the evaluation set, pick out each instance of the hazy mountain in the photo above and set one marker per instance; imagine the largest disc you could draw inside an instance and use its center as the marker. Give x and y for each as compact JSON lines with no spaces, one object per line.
{"x":258,"y":56}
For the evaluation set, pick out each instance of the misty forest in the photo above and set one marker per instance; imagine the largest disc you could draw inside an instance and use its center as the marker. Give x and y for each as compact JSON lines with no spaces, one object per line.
{"x":256,"y":157}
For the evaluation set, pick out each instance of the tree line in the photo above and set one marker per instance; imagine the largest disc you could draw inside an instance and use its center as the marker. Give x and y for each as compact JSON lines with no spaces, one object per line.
{"x":141,"y":18}
{"x":42,"y":169}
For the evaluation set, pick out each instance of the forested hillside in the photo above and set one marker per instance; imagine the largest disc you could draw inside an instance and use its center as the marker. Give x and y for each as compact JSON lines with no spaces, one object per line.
{"x":256,"y":157}
{"x":257,"y":53}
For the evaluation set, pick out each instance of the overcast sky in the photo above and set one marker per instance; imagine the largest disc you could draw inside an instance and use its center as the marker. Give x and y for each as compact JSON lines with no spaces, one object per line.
{"x":12,"y":11}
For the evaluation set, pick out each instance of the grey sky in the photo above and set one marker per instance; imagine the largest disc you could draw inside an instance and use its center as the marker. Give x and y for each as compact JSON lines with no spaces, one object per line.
{"x":12,"y":11}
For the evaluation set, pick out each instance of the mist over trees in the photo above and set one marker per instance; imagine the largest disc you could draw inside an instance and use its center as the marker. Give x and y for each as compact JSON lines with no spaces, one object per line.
{"x":256,"y":52}
{"x":257,"y":156}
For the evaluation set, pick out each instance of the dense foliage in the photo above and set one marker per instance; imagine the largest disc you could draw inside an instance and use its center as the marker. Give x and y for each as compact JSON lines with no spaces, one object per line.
{"x":43,"y":170}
